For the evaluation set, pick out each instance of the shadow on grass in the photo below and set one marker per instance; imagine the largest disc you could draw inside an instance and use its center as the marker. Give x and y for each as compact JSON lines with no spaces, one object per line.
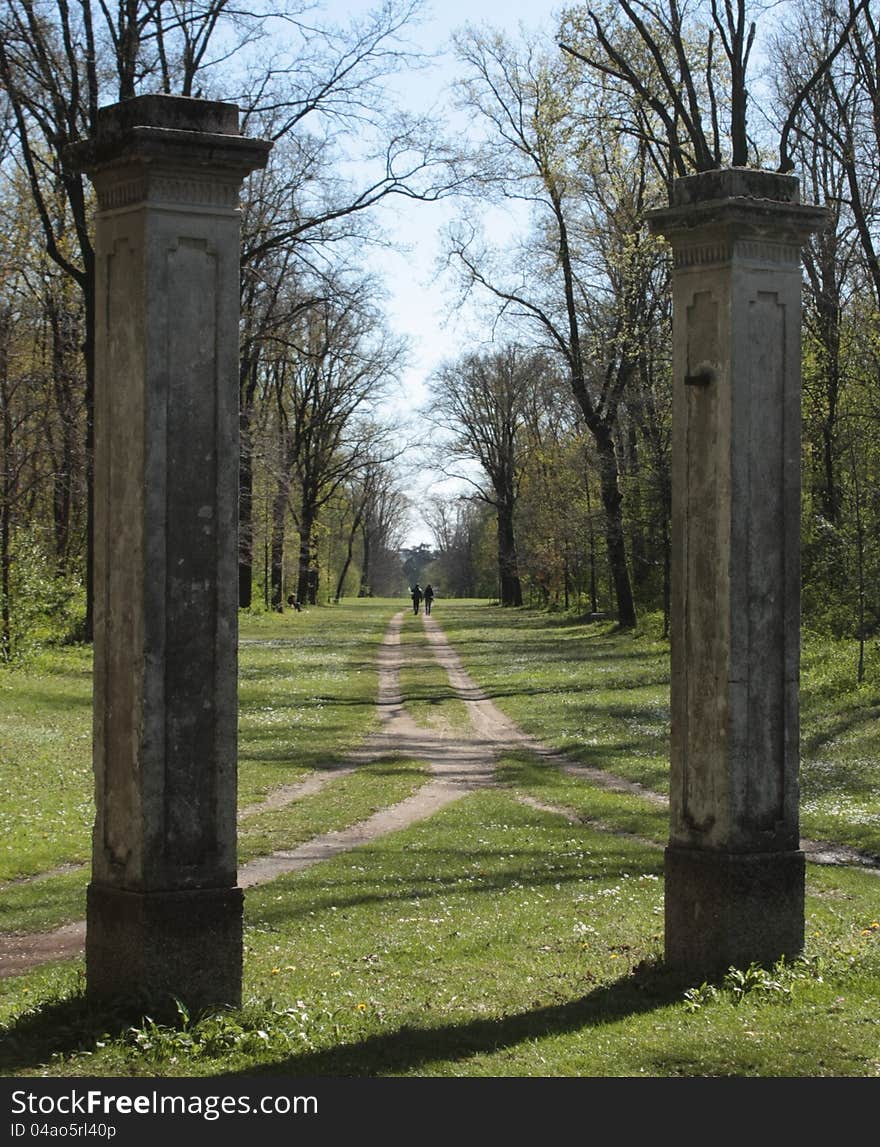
{"x":264,"y":908}
{"x":73,"y":1026}
{"x":270,"y":745}
{"x":61,"y":701}
{"x":540,"y":651}
{"x":431,"y":694}
{"x":408,"y":1049}
{"x":255,"y":707}
{"x":33,"y":903}
{"x":837,"y":777}
{"x":587,"y":691}
{"x":845,"y":723}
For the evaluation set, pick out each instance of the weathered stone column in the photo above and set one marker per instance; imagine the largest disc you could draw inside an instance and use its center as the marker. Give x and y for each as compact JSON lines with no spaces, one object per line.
{"x":164,"y":911}
{"x":734,"y":869}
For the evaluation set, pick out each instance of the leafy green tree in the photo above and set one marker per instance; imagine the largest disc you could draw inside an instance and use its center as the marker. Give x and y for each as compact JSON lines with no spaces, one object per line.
{"x":324,"y":385}
{"x":302,"y":84}
{"x":42,"y":469}
{"x":832,"y":139}
{"x":481,"y":401}
{"x":557,"y":288}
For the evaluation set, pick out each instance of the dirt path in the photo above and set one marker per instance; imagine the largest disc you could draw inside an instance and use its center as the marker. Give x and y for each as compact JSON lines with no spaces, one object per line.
{"x":460,"y":763}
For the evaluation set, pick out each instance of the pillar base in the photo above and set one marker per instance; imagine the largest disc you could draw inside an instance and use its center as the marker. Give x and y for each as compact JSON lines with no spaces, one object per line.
{"x":728,"y":909}
{"x":156,"y":946}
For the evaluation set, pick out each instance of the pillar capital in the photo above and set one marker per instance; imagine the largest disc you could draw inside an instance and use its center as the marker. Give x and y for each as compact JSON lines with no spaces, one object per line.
{"x":736,"y":214}
{"x":164,"y":127}
{"x":173,"y":149}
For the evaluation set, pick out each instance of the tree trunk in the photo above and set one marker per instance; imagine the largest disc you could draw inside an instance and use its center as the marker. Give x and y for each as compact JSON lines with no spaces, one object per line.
{"x":5,"y":530}
{"x":666,"y":494}
{"x":5,"y":564}
{"x":508,"y":572}
{"x":641,"y":564}
{"x":62,"y":484}
{"x":245,"y":515}
{"x":591,"y":541}
{"x":364,"y":590}
{"x":89,"y":355}
{"x":608,"y":469}
{"x":347,"y":563}
{"x":829,"y":324}
{"x":247,"y":389}
{"x":612,"y":504}
{"x":305,"y":590}
{"x":276,"y":559}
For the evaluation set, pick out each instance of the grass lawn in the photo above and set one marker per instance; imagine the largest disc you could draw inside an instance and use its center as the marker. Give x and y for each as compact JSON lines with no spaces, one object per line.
{"x":494,"y":939}
{"x":602,"y":697}
{"x":307,"y":695}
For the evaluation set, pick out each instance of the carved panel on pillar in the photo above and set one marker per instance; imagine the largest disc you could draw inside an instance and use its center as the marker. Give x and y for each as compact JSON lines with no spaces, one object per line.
{"x":119,"y":538}
{"x":190,"y":566}
{"x":765,"y":556}
{"x":702,"y":732}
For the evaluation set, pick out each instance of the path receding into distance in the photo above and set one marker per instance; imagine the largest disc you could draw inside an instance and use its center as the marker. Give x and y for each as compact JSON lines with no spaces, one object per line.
{"x":460,"y":763}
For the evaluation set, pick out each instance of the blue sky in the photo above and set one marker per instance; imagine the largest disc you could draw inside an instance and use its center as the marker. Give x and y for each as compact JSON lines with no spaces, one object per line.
{"x":417,"y":307}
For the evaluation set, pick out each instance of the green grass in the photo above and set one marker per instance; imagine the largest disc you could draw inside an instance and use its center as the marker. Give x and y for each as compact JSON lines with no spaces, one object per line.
{"x":46,"y":784}
{"x":494,"y":938}
{"x":307,"y":696}
{"x":29,"y":906}
{"x":840,"y":733}
{"x":524,"y":774}
{"x":602,"y":697}
{"x":307,"y":690}
{"x":491,"y":940}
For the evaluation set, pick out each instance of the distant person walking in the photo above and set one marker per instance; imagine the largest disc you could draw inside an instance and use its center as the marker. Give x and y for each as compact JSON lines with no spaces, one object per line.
{"x":429,"y":598}
{"x":416,"y":595}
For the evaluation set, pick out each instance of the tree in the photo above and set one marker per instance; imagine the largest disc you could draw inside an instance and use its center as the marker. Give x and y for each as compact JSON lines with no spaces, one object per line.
{"x":460,"y":527}
{"x":481,"y":400}
{"x":378,"y":513}
{"x":555,"y":472}
{"x":58,"y":61}
{"x":300,"y":218}
{"x":295,"y":82}
{"x":323,"y":385}
{"x":833,"y":139}
{"x":654,"y":50}
{"x":415,"y":560}
{"x":669,"y":67}
{"x":830,"y":257}
{"x":690,"y":97}
{"x":579,"y":281}
{"x":835,"y":118}
{"x":41,"y":418}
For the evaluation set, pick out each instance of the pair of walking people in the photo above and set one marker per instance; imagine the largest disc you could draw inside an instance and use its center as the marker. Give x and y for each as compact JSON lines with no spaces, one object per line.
{"x":418,"y":595}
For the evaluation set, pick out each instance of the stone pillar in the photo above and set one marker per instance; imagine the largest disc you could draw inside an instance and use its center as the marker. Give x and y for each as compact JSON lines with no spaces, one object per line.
{"x":734,"y":869}
{"x":164,"y":913}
